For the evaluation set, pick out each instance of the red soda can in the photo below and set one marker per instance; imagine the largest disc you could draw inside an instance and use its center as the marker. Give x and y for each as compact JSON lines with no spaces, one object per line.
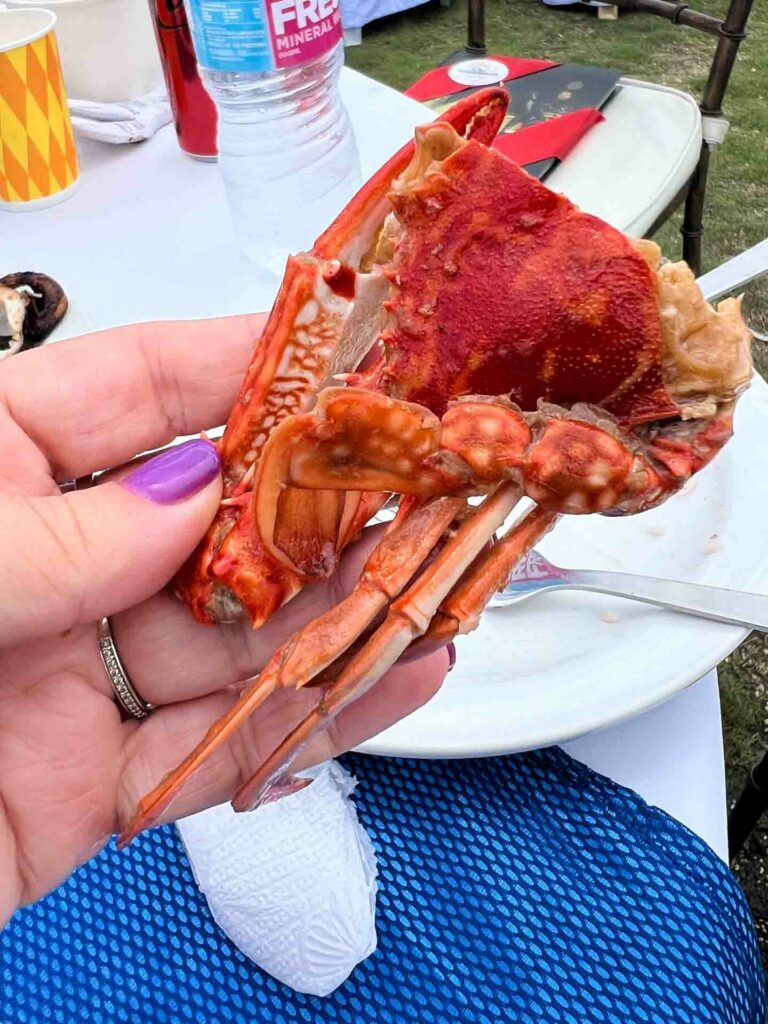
{"x":193,"y":109}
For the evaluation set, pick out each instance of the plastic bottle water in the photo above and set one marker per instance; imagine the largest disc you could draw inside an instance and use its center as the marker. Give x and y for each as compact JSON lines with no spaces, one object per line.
{"x":286,"y":149}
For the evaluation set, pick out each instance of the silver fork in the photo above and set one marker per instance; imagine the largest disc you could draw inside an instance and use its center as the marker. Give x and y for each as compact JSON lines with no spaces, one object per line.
{"x":535,"y":575}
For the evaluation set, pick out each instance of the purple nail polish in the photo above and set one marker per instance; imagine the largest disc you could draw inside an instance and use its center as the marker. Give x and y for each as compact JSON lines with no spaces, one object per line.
{"x":451,"y":648}
{"x":175,"y":474}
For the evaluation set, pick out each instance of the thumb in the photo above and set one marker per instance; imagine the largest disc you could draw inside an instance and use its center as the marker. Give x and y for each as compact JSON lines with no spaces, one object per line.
{"x":74,"y":558}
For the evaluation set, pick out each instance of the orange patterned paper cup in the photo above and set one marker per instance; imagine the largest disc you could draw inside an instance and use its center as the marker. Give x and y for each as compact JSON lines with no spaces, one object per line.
{"x":38,"y":159}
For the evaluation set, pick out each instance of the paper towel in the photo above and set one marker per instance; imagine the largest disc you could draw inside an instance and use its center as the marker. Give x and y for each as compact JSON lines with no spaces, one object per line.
{"x":120,"y":123}
{"x":293,"y":884}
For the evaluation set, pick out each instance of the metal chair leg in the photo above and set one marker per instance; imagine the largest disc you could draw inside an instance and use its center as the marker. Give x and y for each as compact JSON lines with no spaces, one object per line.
{"x":730,"y":34}
{"x":749,"y":808}
{"x":693,"y":219}
{"x":476,"y":28}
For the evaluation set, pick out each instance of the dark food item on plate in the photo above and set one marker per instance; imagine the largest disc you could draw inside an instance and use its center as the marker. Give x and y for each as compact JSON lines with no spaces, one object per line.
{"x":31,"y":306}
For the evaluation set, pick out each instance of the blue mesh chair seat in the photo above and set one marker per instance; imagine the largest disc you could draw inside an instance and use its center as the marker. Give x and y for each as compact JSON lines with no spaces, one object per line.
{"x":517,"y":889}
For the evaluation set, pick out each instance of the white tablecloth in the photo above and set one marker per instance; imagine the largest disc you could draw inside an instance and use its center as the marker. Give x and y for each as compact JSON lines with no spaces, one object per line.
{"x":147,"y":236}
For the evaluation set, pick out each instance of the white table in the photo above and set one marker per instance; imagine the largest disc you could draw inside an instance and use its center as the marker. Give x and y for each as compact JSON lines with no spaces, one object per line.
{"x":147,"y":236}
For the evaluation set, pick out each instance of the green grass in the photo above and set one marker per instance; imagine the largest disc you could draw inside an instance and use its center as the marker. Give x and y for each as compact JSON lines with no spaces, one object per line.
{"x":397,"y":50}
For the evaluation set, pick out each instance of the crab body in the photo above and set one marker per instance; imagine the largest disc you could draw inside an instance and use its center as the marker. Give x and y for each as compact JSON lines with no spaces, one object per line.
{"x":492,"y":340}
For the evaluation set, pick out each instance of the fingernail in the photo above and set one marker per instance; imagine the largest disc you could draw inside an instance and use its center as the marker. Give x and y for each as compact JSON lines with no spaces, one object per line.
{"x":451,"y":648}
{"x":175,"y":474}
{"x":284,"y":786}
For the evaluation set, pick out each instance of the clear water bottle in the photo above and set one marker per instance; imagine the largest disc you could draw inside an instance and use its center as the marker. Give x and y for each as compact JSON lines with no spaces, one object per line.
{"x":286,"y":149}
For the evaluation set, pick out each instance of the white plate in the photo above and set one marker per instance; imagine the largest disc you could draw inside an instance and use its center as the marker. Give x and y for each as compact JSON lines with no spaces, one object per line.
{"x":554,"y":668}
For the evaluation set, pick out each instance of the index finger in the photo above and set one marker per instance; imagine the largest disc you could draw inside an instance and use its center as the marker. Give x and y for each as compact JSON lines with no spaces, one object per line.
{"x":96,"y":401}
{"x":154,"y":748}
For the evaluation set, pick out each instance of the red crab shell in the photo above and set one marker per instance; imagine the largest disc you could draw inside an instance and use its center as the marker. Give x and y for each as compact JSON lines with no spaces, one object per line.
{"x":476,"y":279}
{"x":503,"y":287}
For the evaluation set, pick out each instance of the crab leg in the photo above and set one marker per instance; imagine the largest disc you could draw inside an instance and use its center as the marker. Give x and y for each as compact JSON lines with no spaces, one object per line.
{"x":409,"y":617}
{"x":461,"y":610}
{"x":317,"y":645}
{"x":566,"y":460}
{"x":360,"y":440}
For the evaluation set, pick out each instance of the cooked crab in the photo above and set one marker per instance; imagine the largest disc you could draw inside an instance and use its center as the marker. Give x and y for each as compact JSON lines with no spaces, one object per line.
{"x":510,"y":345}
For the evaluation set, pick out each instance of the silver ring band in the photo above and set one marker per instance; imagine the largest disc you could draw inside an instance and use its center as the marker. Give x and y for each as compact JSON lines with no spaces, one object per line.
{"x":126,"y":695}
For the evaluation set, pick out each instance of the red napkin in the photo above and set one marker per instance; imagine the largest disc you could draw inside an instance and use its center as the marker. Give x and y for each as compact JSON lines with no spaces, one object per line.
{"x":437,"y":82}
{"x":554,"y":138}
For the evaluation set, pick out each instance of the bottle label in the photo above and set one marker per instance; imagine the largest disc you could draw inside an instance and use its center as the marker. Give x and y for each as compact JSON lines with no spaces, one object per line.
{"x":262,"y":35}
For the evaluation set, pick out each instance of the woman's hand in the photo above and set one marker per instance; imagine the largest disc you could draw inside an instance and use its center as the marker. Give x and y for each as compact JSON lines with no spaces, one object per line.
{"x":70,"y":769}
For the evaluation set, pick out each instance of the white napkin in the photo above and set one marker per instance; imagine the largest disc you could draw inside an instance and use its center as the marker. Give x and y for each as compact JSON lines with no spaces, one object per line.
{"x":293,"y":884}
{"x":133,"y":121}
